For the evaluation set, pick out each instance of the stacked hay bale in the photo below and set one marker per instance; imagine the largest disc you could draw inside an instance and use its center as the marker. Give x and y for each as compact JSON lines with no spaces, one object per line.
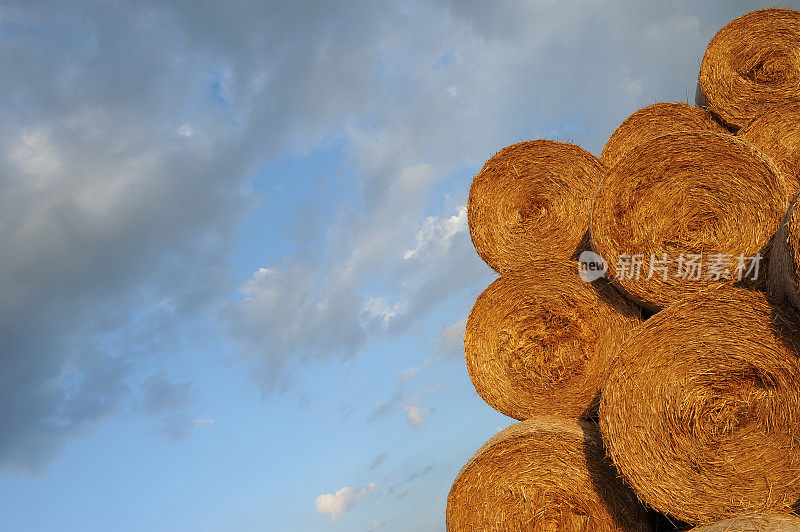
{"x":653,"y":364}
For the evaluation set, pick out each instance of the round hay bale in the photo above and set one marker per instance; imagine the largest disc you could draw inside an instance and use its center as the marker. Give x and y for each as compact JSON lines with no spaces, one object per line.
{"x":684,"y":212}
{"x":543,"y":474}
{"x":751,"y":65}
{"x":540,"y":342}
{"x":532,"y":200}
{"x":784,"y":264}
{"x":755,"y":523}
{"x":776,"y":133}
{"x":653,"y":121}
{"x":702,"y":414}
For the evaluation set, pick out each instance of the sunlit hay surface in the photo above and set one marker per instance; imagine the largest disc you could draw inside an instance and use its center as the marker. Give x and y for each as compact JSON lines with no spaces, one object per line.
{"x":700,"y":193}
{"x":540,"y":342}
{"x":784,"y":264}
{"x":542,"y":475}
{"x":776,"y":133}
{"x":531,"y":200}
{"x":653,"y":121}
{"x":751,"y":65}
{"x":758,"y":523}
{"x":701,"y":411}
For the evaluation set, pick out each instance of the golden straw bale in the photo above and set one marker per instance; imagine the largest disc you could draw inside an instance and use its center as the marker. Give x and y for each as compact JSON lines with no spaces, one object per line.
{"x":701,"y":411}
{"x":755,"y":523}
{"x":653,"y":121}
{"x":693,"y":196}
{"x":540,"y":343}
{"x":532,"y":200}
{"x":776,"y":133}
{"x":751,"y":65}
{"x":542,"y":475}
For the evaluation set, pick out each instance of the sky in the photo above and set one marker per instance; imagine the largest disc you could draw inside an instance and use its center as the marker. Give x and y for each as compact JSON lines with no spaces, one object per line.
{"x":235,"y":262}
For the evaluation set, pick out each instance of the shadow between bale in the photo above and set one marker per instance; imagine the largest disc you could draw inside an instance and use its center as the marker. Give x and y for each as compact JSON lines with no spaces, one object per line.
{"x":784,"y":266}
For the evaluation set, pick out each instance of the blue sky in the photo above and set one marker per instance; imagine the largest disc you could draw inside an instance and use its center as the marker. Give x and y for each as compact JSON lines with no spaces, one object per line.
{"x":235,"y":261}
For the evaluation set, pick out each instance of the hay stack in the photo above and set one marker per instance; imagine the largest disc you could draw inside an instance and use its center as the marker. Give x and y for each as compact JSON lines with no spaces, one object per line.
{"x":759,"y":523}
{"x":702,"y":414}
{"x":752,"y":65}
{"x":539,"y":342}
{"x":784,"y":265}
{"x":701,"y":194}
{"x":653,"y":121}
{"x":543,"y":474}
{"x":776,"y":134}
{"x":531,"y":200}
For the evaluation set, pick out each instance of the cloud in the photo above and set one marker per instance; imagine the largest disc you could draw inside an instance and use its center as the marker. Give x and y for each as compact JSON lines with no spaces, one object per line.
{"x":408,"y":373}
{"x":449,"y":343}
{"x":421,"y":117}
{"x":400,"y":494}
{"x":176,"y":427}
{"x":392,"y":490}
{"x":286,"y":312}
{"x":128,"y":134}
{"x":378,"y":460}
{"x":415,"y":414}
{"x":418,"y":117}
{"x":421,"y":473}
{"x":336,"y":504}
{"x":384,"y":408}
{"x":115,"y":227}
{"x":297,"y":313}
{"x":377,"y":525}
{"x":203,"y":421}
{"x":168,"y":400}
{"x":441,"y":264}
{"x":161,"y":395}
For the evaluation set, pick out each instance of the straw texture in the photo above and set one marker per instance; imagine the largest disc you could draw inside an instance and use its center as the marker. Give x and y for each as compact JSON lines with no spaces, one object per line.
{"x":700,"y":194}
{"x":702,"y":413}
{"x":532,"y":200}
{"x":752,"y":64}
{"x":784,"y":265}
{"x":653,"y":121}
{"x":542,"y":475}
{"x":761,"y":523}
{"x":539,"y":343}
{"x":776,"y":133}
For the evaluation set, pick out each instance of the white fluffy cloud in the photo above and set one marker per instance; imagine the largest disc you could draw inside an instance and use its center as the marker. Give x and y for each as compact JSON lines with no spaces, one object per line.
{"x":415,"y":414}
{"x":336,"y":504}
{"x":409,"y":406}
